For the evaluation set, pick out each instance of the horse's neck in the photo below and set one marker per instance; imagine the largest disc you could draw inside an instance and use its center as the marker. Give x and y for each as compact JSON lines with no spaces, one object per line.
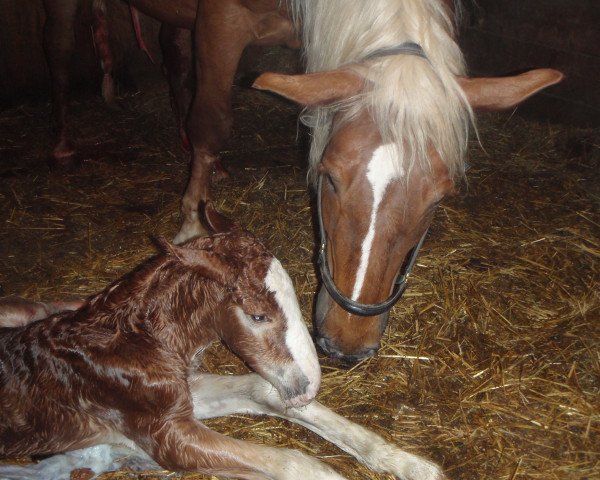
{"x":188,"y":328}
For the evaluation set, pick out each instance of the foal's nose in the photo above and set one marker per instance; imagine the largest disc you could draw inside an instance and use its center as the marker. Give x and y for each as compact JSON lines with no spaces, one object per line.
{"x":332,"y":350}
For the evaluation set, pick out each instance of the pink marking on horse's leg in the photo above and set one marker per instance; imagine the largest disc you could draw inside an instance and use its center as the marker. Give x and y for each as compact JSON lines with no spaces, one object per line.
{"x":100,"y":37}
{"x":135,"y":19}
{"x":185,"y":140}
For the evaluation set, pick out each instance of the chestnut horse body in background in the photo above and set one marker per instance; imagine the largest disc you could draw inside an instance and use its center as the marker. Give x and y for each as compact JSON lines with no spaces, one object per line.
{"x":389,"y":106}
{"x":120,"y":369}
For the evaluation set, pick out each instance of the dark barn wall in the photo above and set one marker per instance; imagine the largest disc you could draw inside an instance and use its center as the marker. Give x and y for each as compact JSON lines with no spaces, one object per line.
{"x":24,"y":73}
{"x":23,"y":69}
{"x":507,"y":36}
{"x":498,"y":37}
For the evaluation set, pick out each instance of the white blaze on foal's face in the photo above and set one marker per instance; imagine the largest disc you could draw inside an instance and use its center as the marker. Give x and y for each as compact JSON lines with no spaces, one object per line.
{"x":297,"y":338}
{"x":382,"y":169}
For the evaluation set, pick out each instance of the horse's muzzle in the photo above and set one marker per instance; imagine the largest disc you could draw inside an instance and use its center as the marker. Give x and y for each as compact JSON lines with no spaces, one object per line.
{"x":332,"y":351}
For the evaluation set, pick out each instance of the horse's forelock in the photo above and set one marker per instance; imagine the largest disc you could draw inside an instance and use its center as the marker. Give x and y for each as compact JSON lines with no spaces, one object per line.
{"x":417,"y":104}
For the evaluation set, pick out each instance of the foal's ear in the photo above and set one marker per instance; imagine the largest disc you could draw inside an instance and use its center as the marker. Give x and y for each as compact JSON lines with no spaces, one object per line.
{"x":312,"y":89}
{"x":216,"y":221}
{"x":210,"y":264}
{"x":499,"y":93}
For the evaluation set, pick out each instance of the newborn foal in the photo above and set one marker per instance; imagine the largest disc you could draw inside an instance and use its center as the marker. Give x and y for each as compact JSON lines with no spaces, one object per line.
{"x":118,"y":369}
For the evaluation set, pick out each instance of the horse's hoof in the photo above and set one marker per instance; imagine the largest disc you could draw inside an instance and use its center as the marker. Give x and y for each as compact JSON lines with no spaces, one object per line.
{"x":63,"y":155}
{"x":63,"y":149}
{"x":63,"y":162}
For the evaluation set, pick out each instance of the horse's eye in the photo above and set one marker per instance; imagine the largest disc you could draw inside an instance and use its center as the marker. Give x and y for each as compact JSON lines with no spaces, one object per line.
{"x":258,"y":318}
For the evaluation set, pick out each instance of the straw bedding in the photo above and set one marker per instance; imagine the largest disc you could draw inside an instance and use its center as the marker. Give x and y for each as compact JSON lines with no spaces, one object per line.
{"x":490,"y":364}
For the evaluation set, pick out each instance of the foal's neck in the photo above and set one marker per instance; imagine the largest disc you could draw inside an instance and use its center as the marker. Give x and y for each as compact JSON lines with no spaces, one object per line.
{"x":162,"y":299}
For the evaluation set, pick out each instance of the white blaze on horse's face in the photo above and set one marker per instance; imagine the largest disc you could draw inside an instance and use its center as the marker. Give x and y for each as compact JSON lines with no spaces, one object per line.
{"x":297,"y":338}
{"x":381,"y":171}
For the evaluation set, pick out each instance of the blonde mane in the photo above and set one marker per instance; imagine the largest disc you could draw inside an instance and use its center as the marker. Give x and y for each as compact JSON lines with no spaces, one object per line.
{"x":416,"y":103}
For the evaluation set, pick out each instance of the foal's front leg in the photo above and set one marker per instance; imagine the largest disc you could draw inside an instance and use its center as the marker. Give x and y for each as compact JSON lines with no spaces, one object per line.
{"x":215,"y":395}
{"x":187,"y":445}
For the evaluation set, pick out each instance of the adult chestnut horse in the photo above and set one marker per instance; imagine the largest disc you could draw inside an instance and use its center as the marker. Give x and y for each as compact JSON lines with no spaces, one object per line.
{"x":390,"y":109}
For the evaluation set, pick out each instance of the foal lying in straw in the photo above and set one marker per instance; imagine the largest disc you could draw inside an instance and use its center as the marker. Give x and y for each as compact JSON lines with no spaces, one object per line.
{"x":119,"y":369}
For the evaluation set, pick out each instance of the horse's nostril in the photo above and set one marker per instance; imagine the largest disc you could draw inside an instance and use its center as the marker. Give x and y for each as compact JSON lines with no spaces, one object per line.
{"x":351,"y":360}
{"x":331,"y":350}
{"x":371,"y":352}
{"x":326,"y":346}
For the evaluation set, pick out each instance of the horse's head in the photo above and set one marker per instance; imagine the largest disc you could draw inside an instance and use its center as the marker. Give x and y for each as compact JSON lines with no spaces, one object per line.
{"x":258,"y":316}
{"x":374,"y":209}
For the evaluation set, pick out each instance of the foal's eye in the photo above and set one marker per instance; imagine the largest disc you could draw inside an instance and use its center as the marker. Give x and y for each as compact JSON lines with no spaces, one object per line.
{"x":258,"y":318}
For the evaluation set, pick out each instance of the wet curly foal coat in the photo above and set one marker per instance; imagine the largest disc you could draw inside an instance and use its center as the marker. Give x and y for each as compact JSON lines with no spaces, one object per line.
{"x":118,"y":369}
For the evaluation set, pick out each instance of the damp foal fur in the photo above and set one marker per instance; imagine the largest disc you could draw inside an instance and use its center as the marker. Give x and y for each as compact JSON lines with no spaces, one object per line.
{"x":120,"y":368}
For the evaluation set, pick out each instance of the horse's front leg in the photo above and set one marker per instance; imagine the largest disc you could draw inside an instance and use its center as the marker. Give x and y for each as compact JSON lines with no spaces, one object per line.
{"x":59,"y":42}
{"x":223,"y":29}
{"x":215,"y":395}
{"x":187,"y":445}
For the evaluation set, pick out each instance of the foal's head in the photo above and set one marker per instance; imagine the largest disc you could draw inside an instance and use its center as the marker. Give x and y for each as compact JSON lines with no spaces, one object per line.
{"x":258,"y":316}
{"x":378,"y":195}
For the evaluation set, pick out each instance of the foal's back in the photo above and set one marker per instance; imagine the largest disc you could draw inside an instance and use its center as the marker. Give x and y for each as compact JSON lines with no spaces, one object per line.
{"x":67,"y":374}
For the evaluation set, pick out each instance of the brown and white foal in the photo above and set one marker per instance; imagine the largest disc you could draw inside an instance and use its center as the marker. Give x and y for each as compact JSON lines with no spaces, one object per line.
{"x":119,"y":369}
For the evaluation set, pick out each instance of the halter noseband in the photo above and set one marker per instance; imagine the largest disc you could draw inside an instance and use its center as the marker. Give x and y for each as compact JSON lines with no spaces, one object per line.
{"x":352,"y":306}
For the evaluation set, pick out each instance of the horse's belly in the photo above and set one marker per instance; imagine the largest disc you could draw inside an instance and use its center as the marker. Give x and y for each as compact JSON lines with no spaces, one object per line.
{"x":179,"y":13}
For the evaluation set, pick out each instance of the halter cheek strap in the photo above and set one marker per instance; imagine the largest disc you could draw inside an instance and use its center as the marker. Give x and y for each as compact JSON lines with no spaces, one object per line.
{"x":352,"y":306}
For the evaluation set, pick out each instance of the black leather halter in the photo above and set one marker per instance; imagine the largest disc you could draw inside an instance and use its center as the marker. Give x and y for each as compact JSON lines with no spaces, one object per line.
{"x":366,"y":309}
{"x":357,"y":308}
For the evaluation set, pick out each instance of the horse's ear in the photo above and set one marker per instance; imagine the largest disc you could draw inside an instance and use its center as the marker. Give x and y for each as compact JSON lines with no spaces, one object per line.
{"x":210,"y":264}
{"x":216,"y":221}
{"x":312,"y":89}
{"x":499,"y":93}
